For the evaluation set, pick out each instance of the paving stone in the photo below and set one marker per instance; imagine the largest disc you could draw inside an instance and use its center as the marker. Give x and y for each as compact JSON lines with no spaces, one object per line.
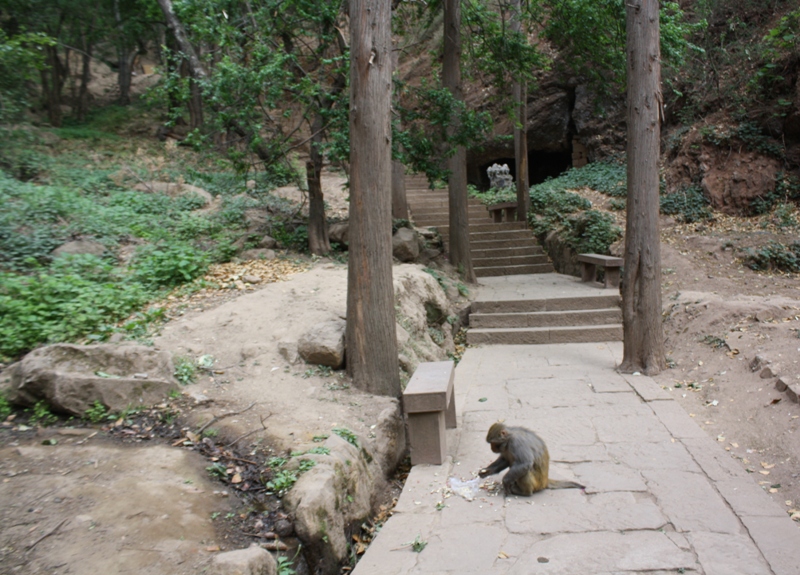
{"x":726,"y":554}
{"x":494,"y":399}
{"x":610,"y":383}
{"x":424,"y":488}
{"x":549,"y":392}
{"x":668,"y":454}
{"x":387,"y":554}
{"x":778,"y":538}
{"x":462,"y":548}
{"x":747,"y":498}
{"x":485,"y":509}
{"x":580,"y":453}
{"x":605,"y":552}
{"x":608,"y":476}
{"x":717,"y":463}
{"x":629,"y":429}
{"x":647,"y":389}
{"x":676,"y":420}
{"x":571,"y":511}
{"x":690,"y":502}
{"x":480,"y":421}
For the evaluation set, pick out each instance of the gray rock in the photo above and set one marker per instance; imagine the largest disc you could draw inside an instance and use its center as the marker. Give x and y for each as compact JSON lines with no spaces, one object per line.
{"x":390,"y":438}
{"x":758,"y":362}
{"x":79,"y":247}
{"x":251,"y":561}
{"x":766,"y":373}
{"x":781,"y":384}
{"x":339,"y":232}
{"x":268,"y":242}
{"x":499,"y":176}
{"x":71,"y":378}
{"x":284,"y":528}
{"x":405,"y":245}
{"x":323,"y":344}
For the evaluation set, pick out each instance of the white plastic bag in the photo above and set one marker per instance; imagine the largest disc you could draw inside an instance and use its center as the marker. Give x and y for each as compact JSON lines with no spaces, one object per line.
{"x":467,"y":489}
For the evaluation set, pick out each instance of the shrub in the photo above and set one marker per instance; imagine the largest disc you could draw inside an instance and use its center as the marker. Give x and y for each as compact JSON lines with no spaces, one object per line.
{"x":593,"y":232}
{"x":168,"y":264}
{"x":689,"y":204}
{"x":775,"y":256}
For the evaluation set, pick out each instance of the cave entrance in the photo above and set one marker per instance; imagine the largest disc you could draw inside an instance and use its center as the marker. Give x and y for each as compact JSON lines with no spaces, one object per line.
{"x":541,"y":165}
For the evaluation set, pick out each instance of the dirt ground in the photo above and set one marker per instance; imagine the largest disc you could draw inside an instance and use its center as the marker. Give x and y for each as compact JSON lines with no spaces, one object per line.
{"x":76,"y":501}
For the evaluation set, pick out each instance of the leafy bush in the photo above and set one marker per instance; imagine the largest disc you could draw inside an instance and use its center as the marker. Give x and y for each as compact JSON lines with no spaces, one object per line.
{"x":689,"y":204}
{"x":592,"y":232}
{"x":168,"y":264}
{"x":775,"y":256}
{"x":78,"y":296}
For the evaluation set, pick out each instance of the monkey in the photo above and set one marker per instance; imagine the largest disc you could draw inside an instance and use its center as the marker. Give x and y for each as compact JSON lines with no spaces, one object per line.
{"x":527,"y":459}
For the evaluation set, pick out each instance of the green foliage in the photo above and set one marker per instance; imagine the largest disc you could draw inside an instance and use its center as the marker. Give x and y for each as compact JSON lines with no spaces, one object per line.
{"x":185,"y":370}
{"x":775,"y":256}
{"x":688,"y":204}
{"x":21,"y":57}
{"x":97,"y":412}
{"x":347,"y":435}
{"x":592,"y":232}
{"x":5,"y":407}
{"x":77,"y":296}
{"x":217,"y":470}
{"x":779,"y":42}
{"x":168,"y":264}
{"x":41,"y":415}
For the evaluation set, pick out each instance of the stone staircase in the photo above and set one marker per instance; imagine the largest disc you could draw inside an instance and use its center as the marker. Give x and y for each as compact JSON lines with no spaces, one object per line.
{"x":506,"y":248}
{"x":569,"y":319}
{"x":547,"y":308}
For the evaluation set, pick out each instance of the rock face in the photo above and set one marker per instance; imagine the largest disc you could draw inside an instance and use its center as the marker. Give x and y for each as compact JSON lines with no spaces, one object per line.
{"x":339,"y":232}
{"x":71,"y":378}
{"x":338,"y":490}
{"x":80,"y":247}
{"x":422,"y":311}
{"x":251,"y":561}
{"x":323,"y":344}
{"x":405,"y":245}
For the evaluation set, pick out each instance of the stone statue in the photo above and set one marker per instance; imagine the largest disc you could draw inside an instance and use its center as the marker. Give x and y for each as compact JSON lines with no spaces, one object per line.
{"x":499,"y":177}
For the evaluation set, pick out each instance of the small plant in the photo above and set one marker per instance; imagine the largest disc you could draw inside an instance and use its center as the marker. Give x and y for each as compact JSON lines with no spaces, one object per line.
{"x":282,"y":481}
{"x":210,"y":432}
{"x":319,"y":438}
{"x":775,"y":255}
{"x":319,"y":450}
{"x":275,"y":462}
{"x":418,"y":544}
{"x":185,"y":370}
{"x":97,"y":412}
{"x":168,"y":264}
{"x":5,"y":407}
{"x":347,"y":435}
{"x":714,"y":341}
{"x":285,"y":566}
{"x":688,"y":204}
{"x":41,"y":415}
{"x":217,"y":470}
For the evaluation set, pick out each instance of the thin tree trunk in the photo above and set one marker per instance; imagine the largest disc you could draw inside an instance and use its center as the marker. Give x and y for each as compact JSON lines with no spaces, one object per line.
{"x":196,"y":70}
{"x":86,"y":74}
{"x":125,"y":59}
{"x":643,"y":347}
{"x":399,"y":201}
{"x":371,"y":334}
{"x":318,"y":241}
{"x":51,"y":86}
{"x":460,"y":255}
{"x":520,"y":93}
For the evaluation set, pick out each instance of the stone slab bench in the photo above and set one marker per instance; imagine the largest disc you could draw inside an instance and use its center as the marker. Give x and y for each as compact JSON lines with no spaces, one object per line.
{"x":507,"y":208}
{"x":430,"y":405}
{"x":610,"y":264}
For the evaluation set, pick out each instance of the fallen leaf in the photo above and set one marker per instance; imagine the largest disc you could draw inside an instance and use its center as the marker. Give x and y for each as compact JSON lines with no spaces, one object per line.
{"x":482,"y":399}
{"x":502,"y":555}
{"x":212,"y":548}
{"x":766,"y":465}
{"x":236,"y":478}
{"x":762,"y":472}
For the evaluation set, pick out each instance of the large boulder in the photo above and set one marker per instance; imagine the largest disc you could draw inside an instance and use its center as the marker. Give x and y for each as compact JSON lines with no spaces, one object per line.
{"x":339,"y":490}
{"x":323,"y":344}
{"x":79,"y":247}
{"x":71,"y":378}
{"x":405,"y":245}
{"x":251,"y":561}
{"x":339,"y":232}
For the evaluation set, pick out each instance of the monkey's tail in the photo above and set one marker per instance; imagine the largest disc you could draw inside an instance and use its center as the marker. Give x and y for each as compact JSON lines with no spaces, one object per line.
{"x":556,"y":484}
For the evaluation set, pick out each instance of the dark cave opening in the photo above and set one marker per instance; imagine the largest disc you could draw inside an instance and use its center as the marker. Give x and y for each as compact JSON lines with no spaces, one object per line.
{"x":541,"y":165}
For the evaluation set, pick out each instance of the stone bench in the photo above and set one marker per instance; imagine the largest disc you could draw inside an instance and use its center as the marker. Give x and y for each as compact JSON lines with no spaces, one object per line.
{"x":430,"y":405}
{"x":610,"y":264}
{"x":507,"y":208}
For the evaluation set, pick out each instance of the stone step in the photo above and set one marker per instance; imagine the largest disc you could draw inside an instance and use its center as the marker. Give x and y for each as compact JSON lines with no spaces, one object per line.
{"x":510,"y":260}
{"x":499,"y":235}
{"x":544,"y":335}
{"x":495,"y":271}
{"x":611,"y":300}
{"x":499,"y":244}
{"x":526,"y":250}
{"x":610,"y":316}
{"x":480,"y":226}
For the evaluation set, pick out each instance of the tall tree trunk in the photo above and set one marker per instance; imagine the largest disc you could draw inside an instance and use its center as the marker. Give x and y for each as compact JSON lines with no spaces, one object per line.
{"x":125,"y":59}
{"x":196,"y":70}
{"x":643,"y":347}
{"x":520,"y":93}
{"x":457,"y":164}
{"x":318,"y":241}
{"x":86,"y":74}
{"x":371,"y":334}
{"x":51,"y":86}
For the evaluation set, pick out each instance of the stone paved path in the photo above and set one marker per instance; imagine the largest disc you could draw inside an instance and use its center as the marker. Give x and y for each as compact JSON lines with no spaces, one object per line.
{"x":662,"y":496}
